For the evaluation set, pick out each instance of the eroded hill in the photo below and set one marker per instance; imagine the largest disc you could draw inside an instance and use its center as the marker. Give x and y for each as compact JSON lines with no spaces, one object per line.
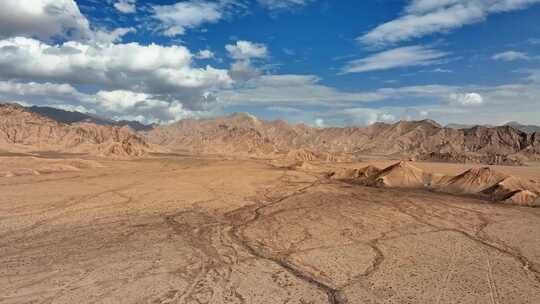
{"x":24,"y":131}
{"x":483,"y":182}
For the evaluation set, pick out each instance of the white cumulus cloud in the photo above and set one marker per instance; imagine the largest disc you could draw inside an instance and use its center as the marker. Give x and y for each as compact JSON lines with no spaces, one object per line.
{"x":205,"y":54}
{"x":245,"y":53}
{"x":179,"y":17}
{"x":128,"y":105}
{"x":37,"y":89}
{"x":466,"y":99}
{"x":48,"y":20}
{"x":126,"y":6}
{"x":154,"y":68}
{"x":243,"y":70}
{"x":244,"y":50}
{"x":43,"y":19}
{"x":118,"y":104}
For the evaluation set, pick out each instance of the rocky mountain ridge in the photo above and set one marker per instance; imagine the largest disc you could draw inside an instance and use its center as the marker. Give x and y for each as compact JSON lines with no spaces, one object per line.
{"x":24,"y":131}
{"x":69,"y":117}
{"x":513,"y":124}
{"x":244,"y":134}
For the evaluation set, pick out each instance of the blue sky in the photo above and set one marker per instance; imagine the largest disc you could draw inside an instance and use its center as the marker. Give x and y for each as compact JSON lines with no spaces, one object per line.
{"x":323,"y":63}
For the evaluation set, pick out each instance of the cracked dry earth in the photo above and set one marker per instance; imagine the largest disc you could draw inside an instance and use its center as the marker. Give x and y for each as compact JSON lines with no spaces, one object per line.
{"x":203,"y":230}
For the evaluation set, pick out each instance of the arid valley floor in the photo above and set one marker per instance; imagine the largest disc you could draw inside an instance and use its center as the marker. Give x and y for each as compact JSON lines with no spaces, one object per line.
{"x":185,"y":229}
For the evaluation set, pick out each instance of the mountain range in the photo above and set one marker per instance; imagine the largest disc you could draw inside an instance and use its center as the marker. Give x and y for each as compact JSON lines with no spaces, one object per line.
{"x":69,"y":117}
{"x":22,"y":130}
{"x":242,"y":134}
{"x":513,"y":124}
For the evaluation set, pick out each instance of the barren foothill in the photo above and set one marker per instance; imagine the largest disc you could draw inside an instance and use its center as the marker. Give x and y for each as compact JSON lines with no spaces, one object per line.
{"x":186,"y":229}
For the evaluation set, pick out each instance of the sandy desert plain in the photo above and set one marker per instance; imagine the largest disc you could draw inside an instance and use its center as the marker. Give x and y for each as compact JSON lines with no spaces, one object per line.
{"x":202,"y":229}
